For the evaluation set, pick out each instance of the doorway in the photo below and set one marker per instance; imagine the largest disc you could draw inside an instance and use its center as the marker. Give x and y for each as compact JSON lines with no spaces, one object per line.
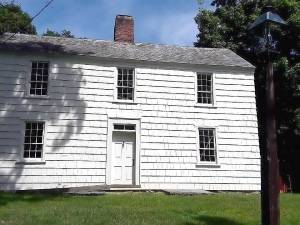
{"x":123,"y":158}
{"x":123,"y":153}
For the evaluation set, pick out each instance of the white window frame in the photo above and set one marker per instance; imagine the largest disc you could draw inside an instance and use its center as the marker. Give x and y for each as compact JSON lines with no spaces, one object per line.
{"x":116,"y":100}
{"x":28,"y":79}
{"x":213,"y":104}
{"x":207,"y":163}
{"x":41,"y":160}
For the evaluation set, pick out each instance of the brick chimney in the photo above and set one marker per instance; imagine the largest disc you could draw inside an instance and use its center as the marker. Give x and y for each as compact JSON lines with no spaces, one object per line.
{"x":124,"y":29}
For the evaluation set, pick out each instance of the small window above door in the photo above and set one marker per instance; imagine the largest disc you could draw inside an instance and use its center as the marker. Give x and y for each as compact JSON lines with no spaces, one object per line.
{"x":124,"y":127}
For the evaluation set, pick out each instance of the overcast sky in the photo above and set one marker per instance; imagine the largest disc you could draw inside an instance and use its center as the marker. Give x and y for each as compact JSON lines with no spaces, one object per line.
{"x":156,"y":21}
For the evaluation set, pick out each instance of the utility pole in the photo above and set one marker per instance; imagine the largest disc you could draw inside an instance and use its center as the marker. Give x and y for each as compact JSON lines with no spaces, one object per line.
{"x":270,"y":165}
{"x":269,"y":158}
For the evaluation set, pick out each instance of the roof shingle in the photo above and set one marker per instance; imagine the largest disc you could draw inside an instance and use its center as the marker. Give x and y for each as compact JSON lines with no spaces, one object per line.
{"x":116,"y":50}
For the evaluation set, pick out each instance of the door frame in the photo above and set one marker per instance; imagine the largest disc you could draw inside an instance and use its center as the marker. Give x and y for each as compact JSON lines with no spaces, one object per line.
{"x":136,"y":154}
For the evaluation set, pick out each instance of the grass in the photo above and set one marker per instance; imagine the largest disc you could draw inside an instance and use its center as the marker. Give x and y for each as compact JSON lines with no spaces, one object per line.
{"x":140,"y":209}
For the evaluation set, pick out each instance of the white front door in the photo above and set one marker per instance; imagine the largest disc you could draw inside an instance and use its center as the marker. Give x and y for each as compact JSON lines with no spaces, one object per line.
{"x":123,"y":161}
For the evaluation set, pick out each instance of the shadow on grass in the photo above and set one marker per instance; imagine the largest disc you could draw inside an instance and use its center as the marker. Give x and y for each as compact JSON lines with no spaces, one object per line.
{"x":8,"y":198}
{"x":212,"y":220}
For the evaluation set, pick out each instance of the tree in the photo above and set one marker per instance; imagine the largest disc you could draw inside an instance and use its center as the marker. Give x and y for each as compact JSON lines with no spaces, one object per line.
{"x":219,"y":3}
{"x":13,"y":19}
{"x":63,"y":33}
{"x":226,"y":27}
{"x":67,"y":34}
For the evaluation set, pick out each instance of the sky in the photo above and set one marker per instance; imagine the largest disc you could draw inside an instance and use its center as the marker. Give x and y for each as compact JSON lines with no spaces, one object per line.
{"x":156,"y":21}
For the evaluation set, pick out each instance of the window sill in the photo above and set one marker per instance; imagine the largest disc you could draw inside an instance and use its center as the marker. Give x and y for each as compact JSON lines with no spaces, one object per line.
{"x":205,"y":106}
{"x":207,"y":165}
{"x":37,"y":96}
{"x":31,"y":162}
{"x":124,"y":102}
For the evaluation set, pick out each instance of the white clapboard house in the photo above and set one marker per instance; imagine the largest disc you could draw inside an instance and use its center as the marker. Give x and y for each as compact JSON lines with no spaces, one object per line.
{"x":118,"y":114}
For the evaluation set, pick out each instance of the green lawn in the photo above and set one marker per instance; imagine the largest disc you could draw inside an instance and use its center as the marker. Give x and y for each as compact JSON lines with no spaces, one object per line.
{"x":140,"y":209}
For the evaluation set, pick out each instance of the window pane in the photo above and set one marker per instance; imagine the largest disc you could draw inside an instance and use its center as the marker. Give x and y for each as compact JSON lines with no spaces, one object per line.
{"x":27,"y":140}
{"x":129,"y":127}
{"x":119,"y":127}
{"x":33,"y":132}
{"x":33,"y":77}
{"x":38,"y":154}
{"x":38,"y":92}
{"x":31,"y":154}
{"x":45,"y":65}
{"x":26,"y":154}
{"x":40,"y":126}
{"x":34,"y":64}
{"x":39,"y":140}
{"x":32,"y":139}
{"x":39,"y":78}
{"x":44,"y":92}
{"x":40,"y":71}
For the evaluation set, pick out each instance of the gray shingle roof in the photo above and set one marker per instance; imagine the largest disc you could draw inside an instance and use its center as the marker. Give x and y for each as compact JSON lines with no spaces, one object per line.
{"x":114,"y":50}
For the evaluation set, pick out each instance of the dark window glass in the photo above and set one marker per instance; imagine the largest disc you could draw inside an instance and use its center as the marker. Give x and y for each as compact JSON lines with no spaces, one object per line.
{"x":124,"y":127}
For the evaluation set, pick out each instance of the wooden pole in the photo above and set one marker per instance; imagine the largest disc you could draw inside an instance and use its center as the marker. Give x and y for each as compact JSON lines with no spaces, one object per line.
{"x":270,"y":164}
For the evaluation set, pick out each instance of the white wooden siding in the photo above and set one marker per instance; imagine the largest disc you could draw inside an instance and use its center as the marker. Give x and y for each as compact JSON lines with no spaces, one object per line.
{"x":81,"y":95}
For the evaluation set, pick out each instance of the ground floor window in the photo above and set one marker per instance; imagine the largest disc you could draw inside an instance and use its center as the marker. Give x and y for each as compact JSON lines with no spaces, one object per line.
{"x":207,"y":145}
{"x":34,"y":139}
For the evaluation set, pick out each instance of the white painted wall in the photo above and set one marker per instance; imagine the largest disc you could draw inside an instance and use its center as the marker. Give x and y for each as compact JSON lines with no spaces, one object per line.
{"x":80,"y":102}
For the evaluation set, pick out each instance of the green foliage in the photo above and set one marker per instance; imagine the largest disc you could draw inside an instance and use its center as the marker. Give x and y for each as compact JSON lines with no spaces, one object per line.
{"x":219,"y":3}
{"x":51,"y":33}
{"x":227,"y":27}
{"x":67,"y":33}
{"x":211,"y":31}
{"x":13,"y":19}
{"x":63,"y":33}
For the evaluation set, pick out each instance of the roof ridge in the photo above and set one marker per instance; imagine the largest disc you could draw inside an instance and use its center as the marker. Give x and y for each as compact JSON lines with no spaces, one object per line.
{"x":110,"y":41}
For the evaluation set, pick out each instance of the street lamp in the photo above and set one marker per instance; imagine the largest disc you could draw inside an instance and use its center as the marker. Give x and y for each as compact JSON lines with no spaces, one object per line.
{"x":266,"y":47}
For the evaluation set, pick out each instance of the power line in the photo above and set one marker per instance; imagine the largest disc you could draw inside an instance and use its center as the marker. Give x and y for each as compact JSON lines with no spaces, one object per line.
{"x":32,"y":18}
{"x":42,"y":9}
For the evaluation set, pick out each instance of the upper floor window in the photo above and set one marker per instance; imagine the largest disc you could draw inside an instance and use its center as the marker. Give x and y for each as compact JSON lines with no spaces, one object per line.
{"x":207,"y":145}
{"x":39,"y":78}
{"x":204,"y":88}
{"x":33,"y":140}
{"x":125,"y":84}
